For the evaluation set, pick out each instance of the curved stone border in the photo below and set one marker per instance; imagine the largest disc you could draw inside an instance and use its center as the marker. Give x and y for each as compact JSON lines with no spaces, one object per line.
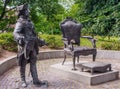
{"x":108,"y":54}
{"x":50,"y":54}
{"x":7,"y":64}
{"x":10,"y":62}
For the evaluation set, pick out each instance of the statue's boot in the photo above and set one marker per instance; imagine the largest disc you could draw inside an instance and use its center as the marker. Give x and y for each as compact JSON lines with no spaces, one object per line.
{"x":23,"y":84}
{"x":36,"y":81}
{"x":40,"y":83}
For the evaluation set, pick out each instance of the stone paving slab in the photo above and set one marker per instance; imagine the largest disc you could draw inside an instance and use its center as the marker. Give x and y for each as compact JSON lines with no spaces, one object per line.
{"x":11,"y":78}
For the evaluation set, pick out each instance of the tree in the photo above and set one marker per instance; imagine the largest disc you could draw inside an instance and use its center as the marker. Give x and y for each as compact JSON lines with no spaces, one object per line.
{"x":99,"y":16}
{"x":48,"y":9}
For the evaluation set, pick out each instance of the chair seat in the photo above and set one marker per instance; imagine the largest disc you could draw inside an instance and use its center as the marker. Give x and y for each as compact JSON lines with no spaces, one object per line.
{"x":79,"y":50}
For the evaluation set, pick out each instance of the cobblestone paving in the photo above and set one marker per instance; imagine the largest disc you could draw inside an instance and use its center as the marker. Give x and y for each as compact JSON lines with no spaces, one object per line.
{"x":11,"y":79}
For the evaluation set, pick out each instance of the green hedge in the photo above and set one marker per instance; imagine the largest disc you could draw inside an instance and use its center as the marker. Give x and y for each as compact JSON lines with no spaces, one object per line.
{"x":54,"y":41}
{"x":110,"y":45}
{"x":7,"y":42}
{"x":0,"y":50}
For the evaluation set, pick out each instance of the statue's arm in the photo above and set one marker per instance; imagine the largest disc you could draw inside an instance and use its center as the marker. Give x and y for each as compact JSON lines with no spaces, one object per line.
{"x":33,"y":30}
{"x":18,"y":33}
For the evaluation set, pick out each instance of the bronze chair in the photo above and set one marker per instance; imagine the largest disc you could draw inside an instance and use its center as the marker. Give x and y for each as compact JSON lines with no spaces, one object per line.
{"x":71,"y":31}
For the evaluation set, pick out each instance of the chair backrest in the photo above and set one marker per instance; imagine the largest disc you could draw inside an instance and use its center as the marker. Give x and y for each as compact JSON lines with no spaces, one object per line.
{"x":72,"y":31}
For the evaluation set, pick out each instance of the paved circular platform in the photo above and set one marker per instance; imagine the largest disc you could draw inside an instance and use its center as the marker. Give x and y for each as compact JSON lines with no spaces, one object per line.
{"x":11,"y":78}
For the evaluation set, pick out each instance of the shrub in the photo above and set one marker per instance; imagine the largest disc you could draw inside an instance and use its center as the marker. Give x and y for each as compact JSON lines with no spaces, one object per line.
{"x":0,"y":50}
{"x":117,"y":45}
{"x":110,"y":45}
{"x":7,"y":42}
{"x":106,"y":45}
{"x":53,"y":41}
{"x":85,"y":42}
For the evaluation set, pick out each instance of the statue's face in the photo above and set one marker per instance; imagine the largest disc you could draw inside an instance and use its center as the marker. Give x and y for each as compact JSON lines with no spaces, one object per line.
{"x":26,"y":13}
{"x":23,"y":10}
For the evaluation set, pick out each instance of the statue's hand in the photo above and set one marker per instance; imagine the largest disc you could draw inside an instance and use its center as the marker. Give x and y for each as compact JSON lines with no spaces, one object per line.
{"x":41,"y":42}
{"x":21,"y":41}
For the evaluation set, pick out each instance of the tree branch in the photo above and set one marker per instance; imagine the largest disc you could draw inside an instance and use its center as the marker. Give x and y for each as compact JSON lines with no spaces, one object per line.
{"x":10,"y":9}
{"x":3,"y":11}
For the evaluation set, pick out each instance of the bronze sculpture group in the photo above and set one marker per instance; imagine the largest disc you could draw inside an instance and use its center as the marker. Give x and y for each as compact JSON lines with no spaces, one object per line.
{"x":28,"y":43}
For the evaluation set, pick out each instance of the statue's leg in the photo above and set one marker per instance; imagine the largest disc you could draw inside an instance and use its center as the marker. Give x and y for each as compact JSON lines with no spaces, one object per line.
{"x":64,"y":58}
{"x":22,"y":70}
{"x":33,"y":70}
{"x":78,"y":59}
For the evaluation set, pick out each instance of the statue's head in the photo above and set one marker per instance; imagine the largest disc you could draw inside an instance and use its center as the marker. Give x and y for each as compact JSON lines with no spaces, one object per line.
{"x":23,"y":10}
{"x":69,"y":18}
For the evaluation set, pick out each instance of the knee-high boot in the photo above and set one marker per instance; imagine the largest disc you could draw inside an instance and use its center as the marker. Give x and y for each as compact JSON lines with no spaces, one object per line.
{"x":22,"y":73}
{"x":22,"y":70}
{"x":34,"y":74}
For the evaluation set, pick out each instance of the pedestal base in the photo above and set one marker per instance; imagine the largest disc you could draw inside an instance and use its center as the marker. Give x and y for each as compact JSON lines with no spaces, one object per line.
{"x":84,"y":77}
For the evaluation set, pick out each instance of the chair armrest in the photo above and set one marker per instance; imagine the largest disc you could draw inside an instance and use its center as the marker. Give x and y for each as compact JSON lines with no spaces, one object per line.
{"x":64,"y":39}
{"x":91,"y":39}
{"x":88,"y":37}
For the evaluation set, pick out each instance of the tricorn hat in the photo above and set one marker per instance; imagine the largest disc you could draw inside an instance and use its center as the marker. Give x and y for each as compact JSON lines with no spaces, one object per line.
{"x":22,"y":7}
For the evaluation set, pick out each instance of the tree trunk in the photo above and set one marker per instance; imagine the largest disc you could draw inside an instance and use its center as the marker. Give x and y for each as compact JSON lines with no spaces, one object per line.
{"x":3,"y":11}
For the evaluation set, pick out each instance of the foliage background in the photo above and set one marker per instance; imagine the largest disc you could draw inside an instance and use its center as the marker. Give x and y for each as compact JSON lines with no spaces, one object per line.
{"x":99,"y":18}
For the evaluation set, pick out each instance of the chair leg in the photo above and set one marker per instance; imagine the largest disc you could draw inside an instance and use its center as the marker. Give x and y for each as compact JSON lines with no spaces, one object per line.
{"x":64,"y":58}
{"x":78,"y":59}
{"x":94,"y":57}
{"x":74,"y":63}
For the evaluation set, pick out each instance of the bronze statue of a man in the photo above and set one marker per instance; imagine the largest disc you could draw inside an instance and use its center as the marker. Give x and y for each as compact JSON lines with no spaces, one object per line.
{"x":26,"y":37}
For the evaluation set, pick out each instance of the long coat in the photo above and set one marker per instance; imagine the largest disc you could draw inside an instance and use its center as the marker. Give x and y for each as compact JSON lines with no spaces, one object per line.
{"x":25,"y":28}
